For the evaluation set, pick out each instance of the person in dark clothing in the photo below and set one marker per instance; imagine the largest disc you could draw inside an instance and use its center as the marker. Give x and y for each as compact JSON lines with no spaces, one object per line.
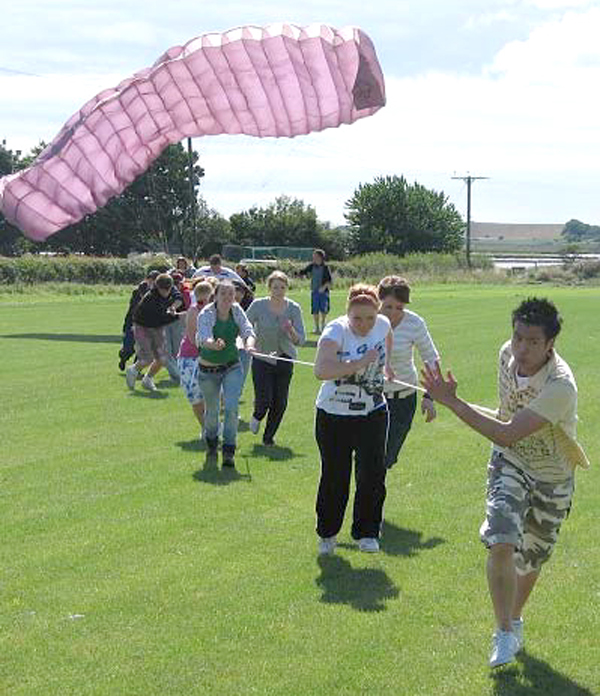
{"x":320,"y":284}
{"x":128,"y":344}
{"x":157,"y":308}
{"x":242,"y":270}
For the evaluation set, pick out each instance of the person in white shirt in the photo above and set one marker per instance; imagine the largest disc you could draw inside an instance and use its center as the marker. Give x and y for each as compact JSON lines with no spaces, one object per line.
{"x":531,"y":471}
{"x":352,"y":361}
{"x":410,"y":332}
{"x":215,"y":269}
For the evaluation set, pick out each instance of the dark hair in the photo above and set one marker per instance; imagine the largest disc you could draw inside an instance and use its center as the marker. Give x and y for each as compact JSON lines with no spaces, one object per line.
{"x":164,"y":282}
{"x":153,"y":275}
{"x":215,"y":260}
{"x":539,"y":312}
{"x":396,"y":286}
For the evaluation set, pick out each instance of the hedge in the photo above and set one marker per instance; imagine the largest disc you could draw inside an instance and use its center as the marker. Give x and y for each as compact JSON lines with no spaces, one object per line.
{"x":31,"y":268}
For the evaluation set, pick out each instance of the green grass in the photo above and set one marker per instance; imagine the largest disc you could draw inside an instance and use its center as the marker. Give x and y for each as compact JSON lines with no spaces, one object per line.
{"x":128,"y":567}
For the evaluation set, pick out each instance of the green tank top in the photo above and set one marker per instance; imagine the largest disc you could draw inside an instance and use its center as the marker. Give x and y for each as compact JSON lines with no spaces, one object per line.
{"x":228,"y":330}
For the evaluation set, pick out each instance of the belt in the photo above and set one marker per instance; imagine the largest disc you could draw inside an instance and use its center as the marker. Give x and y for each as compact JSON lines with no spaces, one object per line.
{"x":397,"y":395}
{"x":212,"y":369}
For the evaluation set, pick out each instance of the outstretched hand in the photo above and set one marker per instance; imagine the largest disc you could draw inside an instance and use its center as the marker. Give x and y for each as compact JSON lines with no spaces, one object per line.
{"x":441,"y":390}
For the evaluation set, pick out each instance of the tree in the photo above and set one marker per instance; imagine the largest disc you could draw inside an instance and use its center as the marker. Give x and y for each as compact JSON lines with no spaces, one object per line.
{"x":153,"y":212}
{"x":285,"y":222}
{"x":393,"y":216}
{"x":578,"y":231}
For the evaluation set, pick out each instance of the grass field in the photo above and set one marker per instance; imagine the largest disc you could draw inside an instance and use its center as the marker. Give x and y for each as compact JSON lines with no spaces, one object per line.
{"x":129,"y":567}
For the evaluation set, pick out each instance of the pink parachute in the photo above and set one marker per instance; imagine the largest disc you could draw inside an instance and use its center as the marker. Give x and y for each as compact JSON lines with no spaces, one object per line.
{"x":280,"y":81}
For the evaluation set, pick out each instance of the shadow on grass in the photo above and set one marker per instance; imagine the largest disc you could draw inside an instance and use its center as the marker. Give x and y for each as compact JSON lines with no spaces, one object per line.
{"x":396,"y":541}
{"x":210,"y":473}
{"x":273,"y":452}
{"x":532,"y":677}
{"x":75,"y":338}
{"x":145,"y":394}
{"x":363,"y":589}
{"x":310,"y":344}
{"x":195,"y":445}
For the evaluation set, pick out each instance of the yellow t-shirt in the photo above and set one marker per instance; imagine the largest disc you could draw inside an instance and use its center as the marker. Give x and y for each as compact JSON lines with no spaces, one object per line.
{"x":551,"y":453}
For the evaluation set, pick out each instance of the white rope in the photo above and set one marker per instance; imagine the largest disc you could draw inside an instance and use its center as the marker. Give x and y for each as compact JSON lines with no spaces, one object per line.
{"x":302,"y":362}
{"x":279,"y":357}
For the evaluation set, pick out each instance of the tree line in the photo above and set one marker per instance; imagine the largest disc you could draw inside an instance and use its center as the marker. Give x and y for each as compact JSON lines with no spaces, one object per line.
{"x":163,"y":211}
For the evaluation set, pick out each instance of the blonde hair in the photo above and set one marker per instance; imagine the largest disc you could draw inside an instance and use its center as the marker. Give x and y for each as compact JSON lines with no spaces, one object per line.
{"x":202,"y":288}
{"x":278,"y":275}
{"x":362,"y":294}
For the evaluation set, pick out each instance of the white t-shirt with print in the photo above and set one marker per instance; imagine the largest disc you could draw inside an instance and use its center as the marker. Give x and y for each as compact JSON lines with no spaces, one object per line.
{"x":362,"y":392}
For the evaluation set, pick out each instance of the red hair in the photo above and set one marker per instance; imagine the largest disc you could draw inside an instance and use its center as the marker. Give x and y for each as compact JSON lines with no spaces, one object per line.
{"x":363,"y":294}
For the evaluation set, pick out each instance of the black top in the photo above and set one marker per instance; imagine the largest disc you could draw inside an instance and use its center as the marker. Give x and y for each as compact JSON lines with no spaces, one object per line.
{"x":151,"y":312}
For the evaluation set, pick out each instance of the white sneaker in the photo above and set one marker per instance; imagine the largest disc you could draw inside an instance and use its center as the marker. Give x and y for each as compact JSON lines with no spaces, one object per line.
{"x":517,"y":627}
{"x":327,"y":545}
{"x":131,"y":374}
{"x":254,"y":425}
{"x":148,"y":384}
{"x":368,"y":544}
{"x":504,"y":648}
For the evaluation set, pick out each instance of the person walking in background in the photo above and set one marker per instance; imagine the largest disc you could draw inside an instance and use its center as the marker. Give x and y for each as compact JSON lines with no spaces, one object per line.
{"x":410,"y":331}
{"x":320,"y":284}
{"x":532,"y":467}
{"x":279,"y":329}
{"x":128,"y":344}
{"x":352,"y":360}
{"x":219,"y":325}
{"x":157,"y":308}
{"x":187,"y":358}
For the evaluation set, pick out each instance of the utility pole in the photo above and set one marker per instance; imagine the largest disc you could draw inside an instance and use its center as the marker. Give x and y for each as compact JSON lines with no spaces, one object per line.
{"x":193,"y":201}
{"x":468,"y":181}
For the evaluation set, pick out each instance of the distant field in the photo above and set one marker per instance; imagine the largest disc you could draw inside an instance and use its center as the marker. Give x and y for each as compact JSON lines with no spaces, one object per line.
{"x":130,"y":566}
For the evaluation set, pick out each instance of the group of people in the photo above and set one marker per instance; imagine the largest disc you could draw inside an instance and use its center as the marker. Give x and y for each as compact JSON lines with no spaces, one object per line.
{"x":224,"y":331}
{"x":366,"y":405}
{"x":361,"y":356}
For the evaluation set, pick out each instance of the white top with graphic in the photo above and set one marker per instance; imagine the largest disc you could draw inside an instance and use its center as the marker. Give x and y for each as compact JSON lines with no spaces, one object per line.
{"x":361,"y":393}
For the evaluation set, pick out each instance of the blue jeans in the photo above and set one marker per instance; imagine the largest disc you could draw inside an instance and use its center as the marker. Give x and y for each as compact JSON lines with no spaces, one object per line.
{"x":230,"y":382}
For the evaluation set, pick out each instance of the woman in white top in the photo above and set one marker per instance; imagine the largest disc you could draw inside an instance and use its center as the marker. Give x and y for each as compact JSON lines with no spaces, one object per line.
{"x":352,"y":360}
{"x":410,"y":331}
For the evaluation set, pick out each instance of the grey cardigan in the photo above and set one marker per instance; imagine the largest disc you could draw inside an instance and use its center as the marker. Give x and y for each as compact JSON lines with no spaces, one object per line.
{"x":270,"y":337}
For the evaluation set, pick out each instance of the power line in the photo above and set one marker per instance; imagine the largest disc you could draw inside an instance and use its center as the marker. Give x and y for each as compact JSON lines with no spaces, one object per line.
{"x":468,"y":181}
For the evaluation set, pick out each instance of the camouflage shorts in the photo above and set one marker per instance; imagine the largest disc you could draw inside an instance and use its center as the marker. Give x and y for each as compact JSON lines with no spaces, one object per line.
{"x":524,"y":512}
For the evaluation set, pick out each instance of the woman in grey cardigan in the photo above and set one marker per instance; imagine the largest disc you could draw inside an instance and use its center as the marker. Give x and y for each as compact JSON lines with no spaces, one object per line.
{"x":279,"y":328}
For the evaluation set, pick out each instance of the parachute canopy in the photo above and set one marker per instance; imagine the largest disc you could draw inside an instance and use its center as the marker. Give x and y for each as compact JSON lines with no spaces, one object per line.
{"x":275,"y":81}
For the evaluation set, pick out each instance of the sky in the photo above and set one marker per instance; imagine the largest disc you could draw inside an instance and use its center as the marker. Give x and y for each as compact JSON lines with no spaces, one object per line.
{"x":504,"y":89}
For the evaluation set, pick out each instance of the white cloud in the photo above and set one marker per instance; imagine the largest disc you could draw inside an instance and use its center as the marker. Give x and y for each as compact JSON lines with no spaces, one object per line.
{"x":529,"y":121}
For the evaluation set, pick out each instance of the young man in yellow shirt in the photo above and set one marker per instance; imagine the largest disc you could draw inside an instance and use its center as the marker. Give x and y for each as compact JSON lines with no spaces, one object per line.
{"x":531,"y":471}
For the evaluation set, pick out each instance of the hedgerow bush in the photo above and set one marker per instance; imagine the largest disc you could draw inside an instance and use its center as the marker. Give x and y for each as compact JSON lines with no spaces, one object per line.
{"x":32,"y":268}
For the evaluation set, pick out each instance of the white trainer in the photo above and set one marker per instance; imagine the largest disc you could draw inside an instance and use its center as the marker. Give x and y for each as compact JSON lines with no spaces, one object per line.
{"x":148,"y":383}
{"x":504,"y":648}
{"x":327,"y":545}
{"x":254,"y":425}
{"x":517,"y":627}
{"x":131,"y":374}
{"x":368,"y":544}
